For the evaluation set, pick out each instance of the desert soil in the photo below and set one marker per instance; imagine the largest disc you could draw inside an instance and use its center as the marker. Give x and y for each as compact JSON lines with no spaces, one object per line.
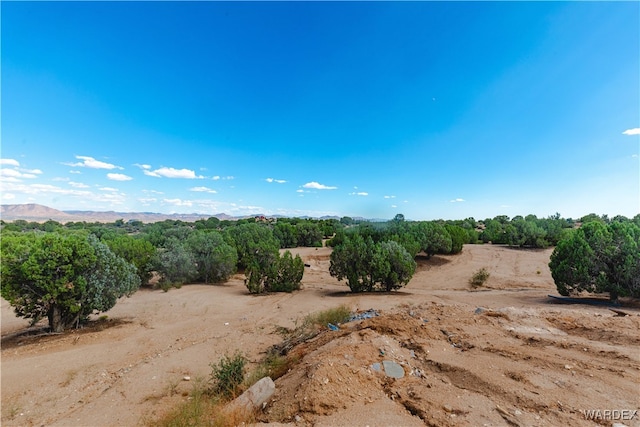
{"x":505,"y":354}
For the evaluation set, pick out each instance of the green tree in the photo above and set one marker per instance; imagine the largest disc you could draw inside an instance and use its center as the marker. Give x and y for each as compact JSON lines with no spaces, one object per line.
{"x":370,"y":266}
{"x":215,"y":260}
{"x":459,"y":237}
{"x":599,"y":258}
{"x":63,"y":277}
{"x":270,"y":272}
{"x":432,"y":237}
{"x":251,"y":240}
{"x":288,"y":274}
{"x":286,"y":234}
{"x":396,"y":266}
{"x":309,"y":234}
{"x":136,"y":251}
{"x":175,"y":263}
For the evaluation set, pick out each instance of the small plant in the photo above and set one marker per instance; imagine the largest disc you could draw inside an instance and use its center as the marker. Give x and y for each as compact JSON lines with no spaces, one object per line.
{"x":336,"y":315}
{"x":228,"y":374}
{"x":479,"y":277}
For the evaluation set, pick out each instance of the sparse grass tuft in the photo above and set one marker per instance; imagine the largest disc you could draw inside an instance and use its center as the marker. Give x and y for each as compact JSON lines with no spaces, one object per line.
{"x":479,"y":278}
{"x":336,"y":315}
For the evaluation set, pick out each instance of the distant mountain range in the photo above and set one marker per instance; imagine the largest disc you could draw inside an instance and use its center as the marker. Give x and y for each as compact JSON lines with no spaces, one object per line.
{"x":40,"y":213}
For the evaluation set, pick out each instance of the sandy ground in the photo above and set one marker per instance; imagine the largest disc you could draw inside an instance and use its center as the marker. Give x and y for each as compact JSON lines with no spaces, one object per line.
{"x":522,"y":360}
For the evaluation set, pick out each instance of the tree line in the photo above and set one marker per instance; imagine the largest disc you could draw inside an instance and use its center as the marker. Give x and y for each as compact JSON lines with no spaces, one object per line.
{"x":65,"y":272}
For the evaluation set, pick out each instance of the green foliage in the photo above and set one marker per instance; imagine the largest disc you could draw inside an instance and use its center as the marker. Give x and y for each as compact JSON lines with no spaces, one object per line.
{"x":599,"y":257}
{"x":175,"y":263}
{"x":253,"y":242}
{"x":228,"y":374}
{"x":395,"y":266}
{"x":215,"y":260}
{"x":65,"y":277}
{"x":289,"y":274}
{"x":459,"y":237}
{"x":274,"y":273}
{"x":432,"y":237}
{"x":286,"y":234}
{"x":479,"y":277}
{"x":370,"y":266}
{"x":136,"y":251}
{"x":309,"y":234}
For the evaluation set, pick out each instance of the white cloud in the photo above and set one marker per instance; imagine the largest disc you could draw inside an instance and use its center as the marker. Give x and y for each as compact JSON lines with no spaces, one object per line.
{"x":8,"y":196}
{"x":108,"y":189}
{"x":394,"y":206}
{"x":277,"y":181}
{"x":118,"y":177}
{"x":14,"y":173}
{"x":9,"y":162}
{"x":299,"y":190}
{"x":317,"y":186}
{"x":634,"y":131}
{"x":360,"y":193}
{"x":147,"y":201}
{"x":90,"y":162}
{"x":457,"y":200}
{"x":178,"y":202}
{"x":203,"y":190}
{"x":78,"y":185}
{"x":147,"y":167}
{"x":389,"y":197}
{"x":76,"y":172}
{"x":165,"y":172}
{"x":30,"y":171}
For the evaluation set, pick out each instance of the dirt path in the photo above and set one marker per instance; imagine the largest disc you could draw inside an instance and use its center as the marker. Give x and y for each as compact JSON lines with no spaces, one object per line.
{"x":540,"y":363}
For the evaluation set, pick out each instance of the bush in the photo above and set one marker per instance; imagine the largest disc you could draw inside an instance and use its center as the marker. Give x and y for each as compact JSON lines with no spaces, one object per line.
{"x":227,"y":375}
{"x":274,"y":273}
{"x":370,"y":266}
{"x":599,"y":258}
{"x":479,"y":277}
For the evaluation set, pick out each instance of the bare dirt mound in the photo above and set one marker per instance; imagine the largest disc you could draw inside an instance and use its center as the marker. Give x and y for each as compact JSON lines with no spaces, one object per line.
{"x":521,"y":361}
{"x":464,"y":367}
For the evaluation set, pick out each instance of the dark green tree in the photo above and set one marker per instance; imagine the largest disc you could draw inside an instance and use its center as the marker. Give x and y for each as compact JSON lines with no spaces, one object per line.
{"x":215,"y":260}
{"x":175,"y":263}
{"x":370,"y":266}
{"x":251,"y":241}
{"x":136,"y":251}
{"x":63,"y":277}
{"x":599,"y":258}
{"x":396,"y":266}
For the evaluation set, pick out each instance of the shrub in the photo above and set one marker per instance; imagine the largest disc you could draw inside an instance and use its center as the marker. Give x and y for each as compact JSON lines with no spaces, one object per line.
{"x":479,"y":277}
{"x":370,"y":266}
{"x":228,"y":374}
{"x":599,"y":258}
{"x":274,"y":273}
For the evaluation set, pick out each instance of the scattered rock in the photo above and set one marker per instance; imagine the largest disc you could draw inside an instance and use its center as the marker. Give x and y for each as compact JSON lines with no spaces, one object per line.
{"x":186,"y":378}
{"x":254,"y":397}
{"x":392,"y":369}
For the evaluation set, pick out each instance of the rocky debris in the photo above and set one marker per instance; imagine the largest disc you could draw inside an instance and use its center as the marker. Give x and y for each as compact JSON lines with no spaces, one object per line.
{"x":369,"y":314}
{"x":392,"y":369}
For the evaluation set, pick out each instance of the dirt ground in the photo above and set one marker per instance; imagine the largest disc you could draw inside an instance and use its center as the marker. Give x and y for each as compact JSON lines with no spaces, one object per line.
{"x":505,"y":354}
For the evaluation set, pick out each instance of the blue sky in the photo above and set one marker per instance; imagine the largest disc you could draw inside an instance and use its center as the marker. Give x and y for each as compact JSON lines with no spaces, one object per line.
{"x":429,"y":109}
